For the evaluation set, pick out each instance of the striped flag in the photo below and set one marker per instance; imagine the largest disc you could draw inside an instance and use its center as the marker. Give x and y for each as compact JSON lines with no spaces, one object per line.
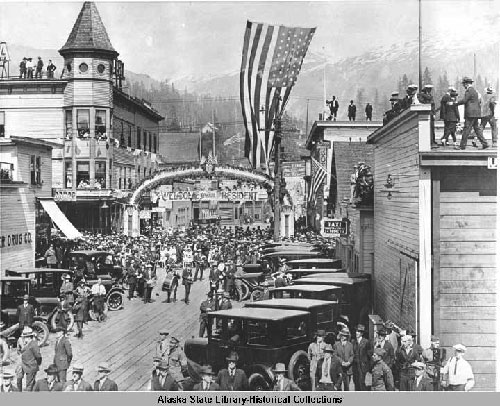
{"x":271,"y":61}
{"x":318,"y":177}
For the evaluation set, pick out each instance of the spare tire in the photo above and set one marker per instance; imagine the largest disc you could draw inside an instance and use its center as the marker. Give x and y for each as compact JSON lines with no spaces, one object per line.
{"x":41,"y":332}
{"x":298,"y":370}
{"x":257,"y":382}
{"x":69,"y":317}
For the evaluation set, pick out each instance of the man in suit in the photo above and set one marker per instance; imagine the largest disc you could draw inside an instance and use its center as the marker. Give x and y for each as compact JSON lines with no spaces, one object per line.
{"x":104,"y":384}
{"x":315,"y":352}
{"x":206,"y":306}
{"x":450,"y":115}
{"x":345,"y":352}
{"x":283,"y":384}
{"x":207,"y":383}
{"x":131,"y":279}
{"x":77,"y":384}
{"x":6,"y":384}
{"x":163,"y":345}
{"x":177,"y":360}
{"x":25,"y":313}
{"x":425,"y":97}
{"x":368,"y":111}
{"x":232,"y":378}
{"x":163,"y":380}
{"x":50,"y":383}
{"x":50,"y":69}
{"x":362,"y":357}
{"x":63,"y":354}
{"x":31,"y":359}
{"x":472,"y":114}
{"x":420,"y":383}
{"x":329,"y":371}
{"x":67,"y":290}
{"x":79,"y":312}
{"x":187,"y":281}
{"x":405,"y":356}
{"x":382,"y":342}
{"x":351,"y":111}
{"x":149,"y":277}
{"x":488,"y":113}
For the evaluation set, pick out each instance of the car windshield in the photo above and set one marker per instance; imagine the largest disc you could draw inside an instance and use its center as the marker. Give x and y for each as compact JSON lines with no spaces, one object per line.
{"x":14,"y":288}
{"x":46,"y":284}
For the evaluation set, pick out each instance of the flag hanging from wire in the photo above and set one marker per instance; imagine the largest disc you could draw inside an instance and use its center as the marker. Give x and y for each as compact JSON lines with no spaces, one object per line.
{"x":318,"y":177}
{"x":271,"y":61}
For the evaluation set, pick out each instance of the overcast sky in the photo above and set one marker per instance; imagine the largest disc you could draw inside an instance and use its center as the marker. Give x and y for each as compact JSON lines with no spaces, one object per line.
{"x":175,"y":39}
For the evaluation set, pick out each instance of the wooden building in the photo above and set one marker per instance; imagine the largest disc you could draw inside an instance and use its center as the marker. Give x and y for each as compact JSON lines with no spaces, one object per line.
{"x":435,"y":239}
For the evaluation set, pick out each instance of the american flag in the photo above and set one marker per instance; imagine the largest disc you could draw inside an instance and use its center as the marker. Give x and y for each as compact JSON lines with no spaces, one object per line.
{"x":271,"y":61}
{"x":319,"y":175}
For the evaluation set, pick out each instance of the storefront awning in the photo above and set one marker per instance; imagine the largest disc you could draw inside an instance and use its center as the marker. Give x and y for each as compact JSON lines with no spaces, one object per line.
{"x":60,"y":219}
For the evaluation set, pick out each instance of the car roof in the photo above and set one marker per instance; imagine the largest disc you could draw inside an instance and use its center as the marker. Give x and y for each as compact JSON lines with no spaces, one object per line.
{"x":292,"y":252}
{"x":14,"y":278}
{"x":298,"y":304}
{"x":318,"y":270}
{"x":91,"y":252}
{"x":331,"y":280}
{"x":261,"y":314}
{"x":313,"y":261}
{"x":38,"y":270}
{"x":320,"y":274}
{"x":306,"y":288}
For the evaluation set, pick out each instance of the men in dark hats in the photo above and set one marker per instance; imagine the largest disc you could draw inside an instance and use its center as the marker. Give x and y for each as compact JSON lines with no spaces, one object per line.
{"x":104,"y":384}
{"x":450,"y":115}
{"x":207,"y":380}
{"x":382,"y":379}
{"x":281,"y":383}
{"x":50,"y":383}
{"x":7,"y":386}
{"x":77,"y":384}
{"x":232,"y":378}
{"x":382,"y":342}
{"x":206,"y":306}
{"x":63,"y":354}
{"x":351,"y":111}
{"x":25,"y":313}
{"x":362,"y":357}
{"x":472,"y":114}
{"x":344,"y":350}
{"x":31,"y":359}
{"x":425,"y":97}
{"x":163,"y":380}
{"x":421,"y":383}
{"x":488,"y":113}
{"x":315,"y":352}
{"x":329,"y":371}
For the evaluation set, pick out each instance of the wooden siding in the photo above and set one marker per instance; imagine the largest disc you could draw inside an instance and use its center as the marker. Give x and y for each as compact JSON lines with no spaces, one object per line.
{"x":467,"y":267}
{"x":24,"y":153}
{"x":34,"y":123}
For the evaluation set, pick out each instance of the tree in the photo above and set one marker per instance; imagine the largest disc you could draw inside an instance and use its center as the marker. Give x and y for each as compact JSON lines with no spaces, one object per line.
{"x":360,"y":99}
{"x":427,"y":79}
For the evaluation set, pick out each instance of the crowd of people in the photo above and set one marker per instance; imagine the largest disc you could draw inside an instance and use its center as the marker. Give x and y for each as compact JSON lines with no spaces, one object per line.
{"x":27,"y":67}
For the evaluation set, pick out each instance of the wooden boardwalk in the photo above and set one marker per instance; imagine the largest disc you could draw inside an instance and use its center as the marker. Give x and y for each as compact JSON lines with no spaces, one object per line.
{"x":127,"y":340}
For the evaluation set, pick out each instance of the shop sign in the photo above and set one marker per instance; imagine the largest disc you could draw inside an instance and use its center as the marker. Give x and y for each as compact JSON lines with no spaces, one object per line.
{"x":196,"y":195}
{"x":13,"y":240}
{"x":333,"y":228}
{"x":64,"y":195}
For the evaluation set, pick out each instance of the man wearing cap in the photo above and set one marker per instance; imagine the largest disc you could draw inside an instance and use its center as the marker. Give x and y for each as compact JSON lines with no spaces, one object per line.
{"x":79,"y":312}
{"x":315,"y":352}
{"x":282,"y":384}
{"x":187,"y":281}
{"x":7,"y":377}
{"x":83,"y":292}
{"x":31,"y":359}
{"x":63,"y":354}
{"x":434,"y":357}
{"x":345,"y":352}
{"x":77,"y":384}
{"x":421,"y":383}
{"x":488,"y":113}
{"x":67,"y":289}
{"x":163,"y":380}
{"x":382,"y":379}
{"x":450,"y":115}
{"x":104,"y":384}
{"x":50,"y":383}
{"x":382,"y":342}
{"x":362,"y":357}
{"x":405,"y":356}
{"x":206,"y":306}
{"x":149,"y":278}
{"x":457,"y":373}
{"x":329,"y":371}
{"x":207,"y":383}
{"x":425,"y":97}
{"x":163,"y":345}
{"x":472,"y":114}
{"x":232,"y":378}
{"x":25,"y":313}
{"x":177,"y":360}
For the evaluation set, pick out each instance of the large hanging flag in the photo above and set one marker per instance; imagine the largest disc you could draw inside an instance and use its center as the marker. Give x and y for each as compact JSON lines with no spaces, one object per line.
{"x":318,"y":176}
{"x":271,"y":61}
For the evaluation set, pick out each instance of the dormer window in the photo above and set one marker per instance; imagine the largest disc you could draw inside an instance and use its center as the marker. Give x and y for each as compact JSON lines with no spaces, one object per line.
{"x":101,"y":68}
{"x":83,"y":67}
{"x":68,"y":67}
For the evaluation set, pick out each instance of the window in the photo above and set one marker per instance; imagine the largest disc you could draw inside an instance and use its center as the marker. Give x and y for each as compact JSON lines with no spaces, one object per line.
{"x":129,"y":142}
{"x":83,"y":67}
{"x":101,"y":68}
{"x":138,"y":146}
{"x":82,"y":175}
{"x":69,"y":124}
{"x":145,"y":145}
{"x":154,"y":143}
{"x":83,"y":123}
{"x":36,"y":170}
{"x":100,"y":124}
{"x":100,"y":175}
{"x":69,"y":175}
{"x":6,"y":171}
{"x":2,"y":124}
{"x":68,"y":67}
{"x":122,"y":135}
{"x":150,"y":141}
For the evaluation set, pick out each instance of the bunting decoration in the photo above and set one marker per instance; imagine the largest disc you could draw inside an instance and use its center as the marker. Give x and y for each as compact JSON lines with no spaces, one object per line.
{"x":318,"y":176}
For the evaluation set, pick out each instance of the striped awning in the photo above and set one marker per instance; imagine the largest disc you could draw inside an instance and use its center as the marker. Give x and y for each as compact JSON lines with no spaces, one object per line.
{"x":60,"y":219}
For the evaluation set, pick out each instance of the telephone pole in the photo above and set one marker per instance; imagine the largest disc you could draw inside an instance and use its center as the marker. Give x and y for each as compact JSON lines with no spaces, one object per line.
{"x":277,"y":178}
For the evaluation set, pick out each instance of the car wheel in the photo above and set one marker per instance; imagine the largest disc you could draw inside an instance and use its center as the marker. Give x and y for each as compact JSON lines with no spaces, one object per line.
{"x":257,"y":382}
{"x":115,"y":301}
{"x":298,"y":370}
{"x":257,"y":295}
{"x":68,"y":316}
{"x":92,"y":314}
{"x":245,"y":292}
{"x":41,"y":332}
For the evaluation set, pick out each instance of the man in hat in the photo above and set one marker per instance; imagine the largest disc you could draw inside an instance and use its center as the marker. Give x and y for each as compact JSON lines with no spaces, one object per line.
{"x":99,"y":293}
{"x":450,"y":115}
{"x":232,"y":378}
{"x":405,"y":356}
{"x":425,"y":97}
{"x":344,"y":350}
{"x":63,"y":354}
{"x":207,"y":380}
{"x":104,"y":384}
{"x":50,"y":69}
{"x":457,"y":373}
{"x":29,"y":67}
{"x":77,"y":384}
{"x":156,"y":362}
{"x":177,"y":360}
{"x":50,"y":383}
{"x":362,"y":355}
{"x":281,"y":383}
{"x":382,"y":379}
{"x":25,"y":313}
{"x":488,"y":113}
{"x":382,"y":342}
{"x":329,"y":371}
{"x":225,"y":303}
{"x":7,"y":377}
{"x":315,"y":352}
{"x":206,"y":306}
{"x":163,"y":344}
{"x":31,"y":359}
{"x":368,"y":112}
{"x":83,"y":292}
{"x":39,"y":68}
{"x":334,"y":108}
{"x":187,"y":281}
{"x":22,"y":69}
{"x":149,"y":277}
{"x":163,"y":380}
{"x":472,"y":114}
{"x":79,"y":312}
{"x":421,"y":383}
{"x":434,"y":356}
{"x":351,"y":111}
{"x":131,"y":279}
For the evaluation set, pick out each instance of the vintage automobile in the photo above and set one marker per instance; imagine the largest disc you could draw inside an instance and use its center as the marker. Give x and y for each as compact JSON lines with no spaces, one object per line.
{"x":311,"y":263}
{"x":303,"y":272}
{"x":319,"y":292}
{"x":292,"y":254}
{"x":92,"y":264}
{"x":261,"y":338}
{"x":269,"y":250}
{"x":12,"y":290}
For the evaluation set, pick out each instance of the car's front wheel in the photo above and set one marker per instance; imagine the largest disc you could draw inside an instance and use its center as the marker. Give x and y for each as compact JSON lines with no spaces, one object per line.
{"x":69,"y":320}
{"x":41,"y":332}
{"x":298,"y":370}
{"x":115,"y":301}
{"x":257,"y":382}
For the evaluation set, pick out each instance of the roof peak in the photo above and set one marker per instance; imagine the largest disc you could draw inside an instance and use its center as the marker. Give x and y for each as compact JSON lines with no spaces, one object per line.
{"x":88,"y":33}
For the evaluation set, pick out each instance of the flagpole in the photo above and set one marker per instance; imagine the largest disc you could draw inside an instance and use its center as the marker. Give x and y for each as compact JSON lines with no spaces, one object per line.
{"x":420,"y":45}
{"x":213,"y":133}
{"x":201,"y":129}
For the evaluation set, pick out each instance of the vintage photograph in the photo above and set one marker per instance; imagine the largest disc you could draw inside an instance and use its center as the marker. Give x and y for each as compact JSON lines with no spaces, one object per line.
{"x":249,"y":196}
